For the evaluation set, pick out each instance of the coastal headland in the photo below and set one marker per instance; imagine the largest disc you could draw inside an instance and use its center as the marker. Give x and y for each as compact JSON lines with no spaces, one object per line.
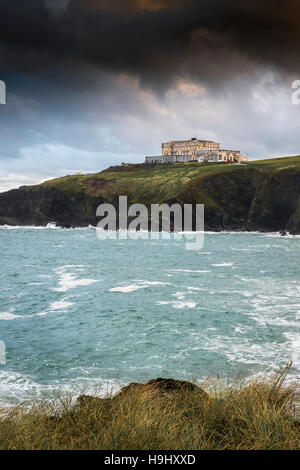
{"x":260,"y":195}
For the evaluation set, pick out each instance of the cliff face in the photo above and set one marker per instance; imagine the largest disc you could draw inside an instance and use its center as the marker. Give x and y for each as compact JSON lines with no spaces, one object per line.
{"x":262,"y":196}
{"x":255,"y":201}
{"x":46,"y":205}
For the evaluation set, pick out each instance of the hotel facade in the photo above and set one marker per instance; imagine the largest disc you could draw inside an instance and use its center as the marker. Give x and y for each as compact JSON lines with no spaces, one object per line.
{"x":195,"y":150}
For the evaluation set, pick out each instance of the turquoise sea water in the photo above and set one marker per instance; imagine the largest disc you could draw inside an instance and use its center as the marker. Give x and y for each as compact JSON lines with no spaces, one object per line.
{"x":78,"y":313}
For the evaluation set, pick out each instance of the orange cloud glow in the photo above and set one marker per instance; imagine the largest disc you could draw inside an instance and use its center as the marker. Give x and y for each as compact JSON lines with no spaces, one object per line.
{"x":123,"y":5}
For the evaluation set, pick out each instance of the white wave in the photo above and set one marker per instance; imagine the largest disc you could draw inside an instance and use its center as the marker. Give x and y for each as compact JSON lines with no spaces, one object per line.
{"x":178,"y":304}
{"x":189,"y":271}
{"x":137,"y":286}
{"x":126,"y":289}
{"x":294,"y":341}
{"x":239,"y":329}
{"x":241,"y":249}
{"x":51,"y":226}
{"x":29,"y":227}
{"x":241,"y":349}
{"x":16,"y":387}
{"x":222,"y":265}
{"x":228,"y":232}
{"x":197,"y":288}
{"x":9,"y":316}
{"x":180,"y":295}
{"x":132,"y":233}
{"x":67,"y":266}
{"x":60,"y":305}
{"x":247,"y":293}
{"x":278,"y":235}
{"x":68,"y":281}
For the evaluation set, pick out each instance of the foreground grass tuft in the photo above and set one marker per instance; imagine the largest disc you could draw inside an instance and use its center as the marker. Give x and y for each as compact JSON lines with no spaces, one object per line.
{"x":254,"y":416}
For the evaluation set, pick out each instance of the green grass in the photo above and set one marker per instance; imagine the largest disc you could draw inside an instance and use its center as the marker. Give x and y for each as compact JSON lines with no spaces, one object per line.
{"x":160,"y":179}
{"x":255,"y":416}
{"x":180,"y":182}
{"x":275,"y":163}
{"x":141,"y":183}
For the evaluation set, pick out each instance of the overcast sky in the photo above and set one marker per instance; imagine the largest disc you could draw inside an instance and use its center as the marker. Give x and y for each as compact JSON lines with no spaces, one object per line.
{"x":93,"y":83}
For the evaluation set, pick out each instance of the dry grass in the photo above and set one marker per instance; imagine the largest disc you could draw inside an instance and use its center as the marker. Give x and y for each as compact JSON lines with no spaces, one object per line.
{"x":256,"y":416}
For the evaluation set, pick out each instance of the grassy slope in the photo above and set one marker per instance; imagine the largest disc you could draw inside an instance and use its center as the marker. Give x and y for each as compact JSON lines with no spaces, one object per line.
{"x":159,"y":182}
{"x":264,"y":195}
{"x":139,"y":182}
{"x":254,"y":416}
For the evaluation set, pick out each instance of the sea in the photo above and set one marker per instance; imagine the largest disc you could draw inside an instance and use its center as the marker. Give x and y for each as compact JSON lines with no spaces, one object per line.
{"x":84,"y":315}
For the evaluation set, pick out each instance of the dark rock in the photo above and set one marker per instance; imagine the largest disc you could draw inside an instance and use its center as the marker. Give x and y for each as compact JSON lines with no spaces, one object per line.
{"x":86,"y":400}
{"x":163,"y":387}
{"x":169,"y":385}
{"x":42,"y":205}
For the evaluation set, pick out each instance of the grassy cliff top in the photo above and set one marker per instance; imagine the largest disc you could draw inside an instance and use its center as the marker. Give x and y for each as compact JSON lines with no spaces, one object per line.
{"x":160,"y":182}
{"x":258,"y":415}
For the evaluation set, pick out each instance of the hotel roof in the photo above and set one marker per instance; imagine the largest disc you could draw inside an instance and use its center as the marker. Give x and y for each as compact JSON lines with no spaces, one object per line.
{"x":190,"y":140}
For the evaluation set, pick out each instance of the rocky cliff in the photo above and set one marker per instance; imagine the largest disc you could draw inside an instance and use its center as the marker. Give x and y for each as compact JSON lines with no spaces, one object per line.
{"x":262,"y":195}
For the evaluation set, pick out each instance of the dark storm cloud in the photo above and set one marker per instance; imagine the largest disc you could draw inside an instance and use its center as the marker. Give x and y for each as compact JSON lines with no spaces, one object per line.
{"x":157,"y":40}
{"x":92,"y":83}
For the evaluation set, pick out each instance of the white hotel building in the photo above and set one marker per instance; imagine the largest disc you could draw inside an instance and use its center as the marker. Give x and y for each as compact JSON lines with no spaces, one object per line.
{"x":195,"y":150}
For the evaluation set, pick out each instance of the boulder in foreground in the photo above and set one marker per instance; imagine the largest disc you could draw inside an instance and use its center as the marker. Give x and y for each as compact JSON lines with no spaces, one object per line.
{"x":157,"y":388}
